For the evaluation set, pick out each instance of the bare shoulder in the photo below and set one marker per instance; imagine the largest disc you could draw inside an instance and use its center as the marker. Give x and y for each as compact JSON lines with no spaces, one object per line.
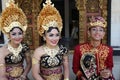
{"x":38,"y":52}
{"x":3,"y":50}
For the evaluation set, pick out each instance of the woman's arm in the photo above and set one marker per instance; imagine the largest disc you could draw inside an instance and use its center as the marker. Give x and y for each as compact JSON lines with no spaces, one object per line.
{"x":36,"y":65}
{"x":2,"y":67}
{"x":2,"y":72}
{"x":66,"y":67}
{"x":28,"y":64}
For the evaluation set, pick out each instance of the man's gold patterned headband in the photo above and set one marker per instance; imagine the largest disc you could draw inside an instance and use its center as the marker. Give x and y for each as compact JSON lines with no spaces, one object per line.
{"x":97,"y":21}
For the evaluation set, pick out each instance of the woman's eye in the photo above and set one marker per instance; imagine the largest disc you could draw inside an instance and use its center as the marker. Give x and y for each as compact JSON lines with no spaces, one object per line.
{"x":51,"y":35}
{"x":57,"y":34}
{"x":101,"y":30}
{"x":13,"y":33}
{"x":20,"y":33}
{"x":94,"y":29}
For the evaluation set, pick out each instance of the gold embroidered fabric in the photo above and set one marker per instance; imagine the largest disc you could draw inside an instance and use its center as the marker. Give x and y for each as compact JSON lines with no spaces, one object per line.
{"x":53,"y":77}
{"x":101,"y":52}
{"x":15,"y":72}
{"x":97,"y":21}
{"x":51,"y":73}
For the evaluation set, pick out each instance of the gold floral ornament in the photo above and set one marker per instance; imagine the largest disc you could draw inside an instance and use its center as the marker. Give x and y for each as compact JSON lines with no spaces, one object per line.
{"x":97,"y":21}
{"x":12,"y":17}
{"x":48,"y":17}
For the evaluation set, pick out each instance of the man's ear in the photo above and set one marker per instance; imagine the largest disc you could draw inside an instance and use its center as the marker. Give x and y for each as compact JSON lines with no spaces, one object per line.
{"x":103,"y":35}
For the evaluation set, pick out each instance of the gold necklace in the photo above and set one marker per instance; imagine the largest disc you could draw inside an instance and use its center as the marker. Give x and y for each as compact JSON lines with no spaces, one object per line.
{"x":15,"y":51}
{"x":51,"y":52}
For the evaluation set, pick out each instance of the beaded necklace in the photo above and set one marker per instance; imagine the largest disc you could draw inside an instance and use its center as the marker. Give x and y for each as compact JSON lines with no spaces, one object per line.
{"x":15,"y":51}
{"x":51,"y":52}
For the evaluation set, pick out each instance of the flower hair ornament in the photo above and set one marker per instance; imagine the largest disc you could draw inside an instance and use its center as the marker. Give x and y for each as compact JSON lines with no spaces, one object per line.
{"x":97,"y":21}
{"x":12,"y":17}
{"x":49,"y":16}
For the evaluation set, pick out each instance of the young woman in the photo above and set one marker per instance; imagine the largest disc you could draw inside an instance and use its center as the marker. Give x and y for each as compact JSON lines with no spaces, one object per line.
{"x":93,"y":60}
{"x":50,"y":61}
{"x":12,"y":55}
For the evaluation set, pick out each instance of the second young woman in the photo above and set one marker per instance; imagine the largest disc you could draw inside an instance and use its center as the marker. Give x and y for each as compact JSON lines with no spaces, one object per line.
{"x":48,"y":59}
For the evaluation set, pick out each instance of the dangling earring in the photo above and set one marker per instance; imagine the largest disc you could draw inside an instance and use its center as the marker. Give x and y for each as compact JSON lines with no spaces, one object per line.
{"x":44,"y":38}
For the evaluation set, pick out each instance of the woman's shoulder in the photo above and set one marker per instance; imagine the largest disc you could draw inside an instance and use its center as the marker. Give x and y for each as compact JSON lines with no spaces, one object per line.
{"x":3,"y":50}
{"x":39,"y":50}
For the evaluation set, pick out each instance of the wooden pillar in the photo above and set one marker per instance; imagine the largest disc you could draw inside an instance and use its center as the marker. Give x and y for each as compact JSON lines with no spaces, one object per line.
{"x":66,"y":3}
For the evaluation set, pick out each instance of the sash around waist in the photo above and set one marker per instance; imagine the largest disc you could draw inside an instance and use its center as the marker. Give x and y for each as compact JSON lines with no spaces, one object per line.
{"x":49,"y":71}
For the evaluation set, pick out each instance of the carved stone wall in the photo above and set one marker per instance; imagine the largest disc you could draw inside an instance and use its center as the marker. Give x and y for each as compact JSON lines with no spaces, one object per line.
{"x":31,"y":8}
{"x":88,"y":8}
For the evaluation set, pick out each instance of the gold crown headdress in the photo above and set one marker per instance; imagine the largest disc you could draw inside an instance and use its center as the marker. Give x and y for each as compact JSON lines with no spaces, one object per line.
{"x":12,"y":17}
{"x":48,"y":17}
{"x":97,"y":21}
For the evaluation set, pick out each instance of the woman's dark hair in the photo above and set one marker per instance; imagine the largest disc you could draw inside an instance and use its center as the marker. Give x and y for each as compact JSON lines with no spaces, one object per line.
{"x":16,"y":27}
{"x":50,"y":28}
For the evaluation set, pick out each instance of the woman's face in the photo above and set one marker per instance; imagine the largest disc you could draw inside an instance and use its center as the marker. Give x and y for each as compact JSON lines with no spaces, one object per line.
{"x":96,"y":33}
{"x":16,"y":36}
{"x":52,"y":38}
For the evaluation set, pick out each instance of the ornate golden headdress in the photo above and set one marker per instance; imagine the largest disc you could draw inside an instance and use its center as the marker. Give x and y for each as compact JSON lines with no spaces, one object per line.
{"x":97,"y":21}
{"x":12,"y":17}
{"x":49,"y":17}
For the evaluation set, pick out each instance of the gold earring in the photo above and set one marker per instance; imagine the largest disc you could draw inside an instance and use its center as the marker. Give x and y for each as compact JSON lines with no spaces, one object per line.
{"x":44,"y":39}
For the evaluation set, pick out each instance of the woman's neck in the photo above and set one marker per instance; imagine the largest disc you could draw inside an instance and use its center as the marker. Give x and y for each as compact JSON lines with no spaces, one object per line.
{"x":51,"y":47}
{"x":13,"y":45}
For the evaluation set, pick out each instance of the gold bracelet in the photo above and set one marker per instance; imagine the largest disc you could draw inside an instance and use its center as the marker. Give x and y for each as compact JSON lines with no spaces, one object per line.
{"x":2,"y":65}
{"x":22,"y":76}
{"x":66,"y":79}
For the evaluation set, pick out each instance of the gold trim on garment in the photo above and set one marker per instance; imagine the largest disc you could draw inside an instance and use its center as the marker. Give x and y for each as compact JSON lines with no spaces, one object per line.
{"x":53,"y":77}
{"x":15,"y":72}
{"x":34,"y":61}
{"x":2,"y":65}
